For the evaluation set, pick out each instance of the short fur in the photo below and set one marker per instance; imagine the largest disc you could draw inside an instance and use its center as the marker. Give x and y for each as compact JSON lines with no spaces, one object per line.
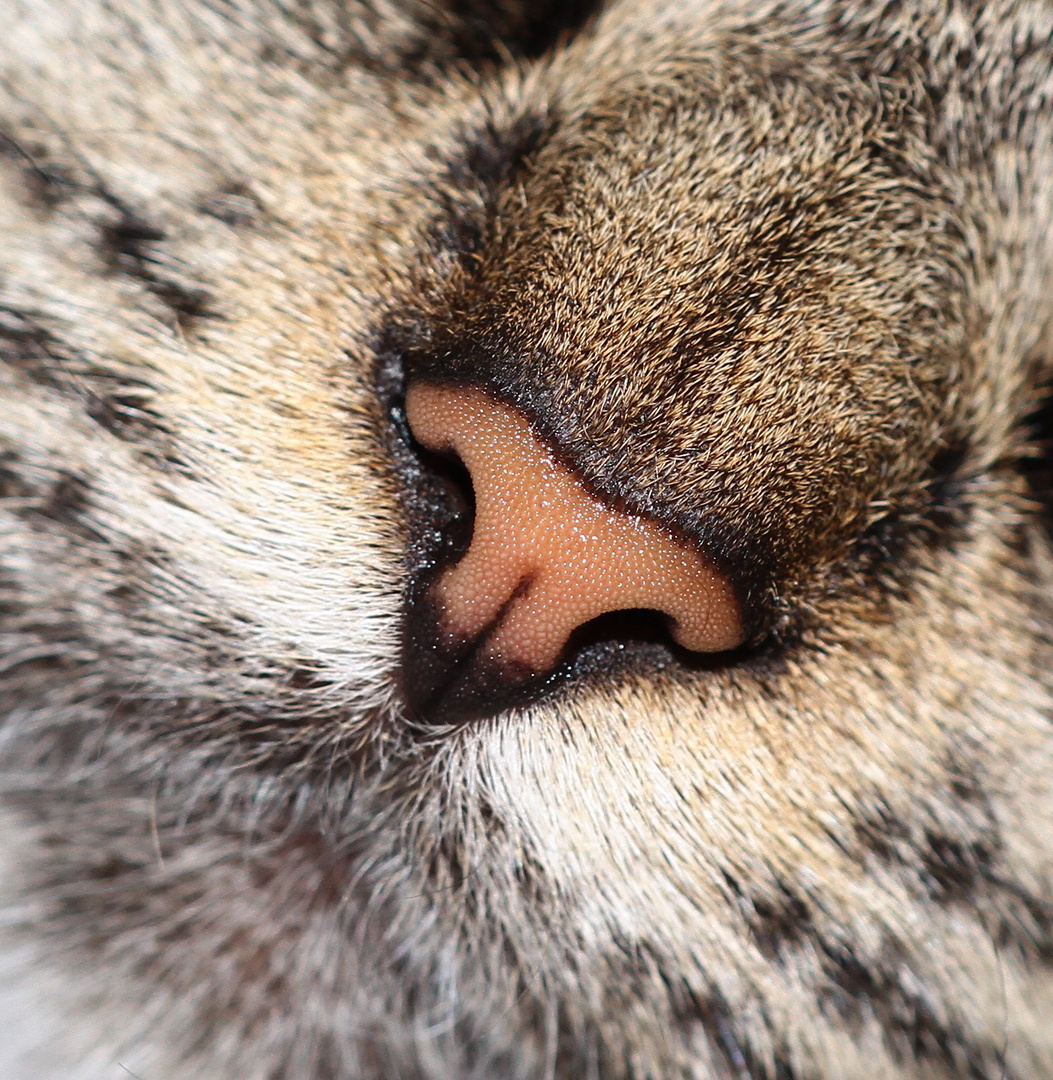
{"x":777,"y":274}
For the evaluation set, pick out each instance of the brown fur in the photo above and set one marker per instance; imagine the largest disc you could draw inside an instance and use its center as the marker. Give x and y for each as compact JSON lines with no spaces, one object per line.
{"x":777,"y":275}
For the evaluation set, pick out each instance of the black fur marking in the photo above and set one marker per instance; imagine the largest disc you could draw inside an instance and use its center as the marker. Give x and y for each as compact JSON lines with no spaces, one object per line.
{"x":471,"y":185}
{"x":68,"y":501}
{"x":528,"y":28}
{"x":485,"y":32}
{"x":449,"y":33}
{"x":128,"y":243}
{"x":939,"y":516}
{"x":122,"y":412}
{"x":913,"y":1032}
{"x":28,"y":346}
{"x":1025,"y":923}
{"x":964,"y":871}
{"x":12,"y":483}
{"x":734,"y":1056}
{"x":955,"y":869}
{"x":46,"y":185}
{"x":1037,"y":467}
{"x":965,"y":783}
{"x":65,"y":503}
{"x":951,"y":870}
{"x":881,"y":562}
{"x":882,"y":833}
{"x":129,"y":246}
{"x":139,"y":563}
{"x":779,"y":923}
{"x":117,"y":403}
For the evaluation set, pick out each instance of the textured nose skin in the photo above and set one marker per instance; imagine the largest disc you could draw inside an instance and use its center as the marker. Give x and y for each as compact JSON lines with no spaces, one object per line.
{"x":547,"y":556}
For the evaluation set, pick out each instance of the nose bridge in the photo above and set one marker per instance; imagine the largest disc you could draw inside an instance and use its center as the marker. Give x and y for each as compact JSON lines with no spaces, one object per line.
{"x":547,"y":555}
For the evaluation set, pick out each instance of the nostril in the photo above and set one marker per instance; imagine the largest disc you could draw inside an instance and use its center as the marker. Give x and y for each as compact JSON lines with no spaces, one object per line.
{"x":440,"y":497}
{"x":635,"y":639}
{"x":545,"y":557}
{"x":630,"y":626}
{"x":448,"y":470}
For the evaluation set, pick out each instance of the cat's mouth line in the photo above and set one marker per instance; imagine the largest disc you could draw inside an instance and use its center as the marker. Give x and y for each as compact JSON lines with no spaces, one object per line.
{"x":467,"y":654}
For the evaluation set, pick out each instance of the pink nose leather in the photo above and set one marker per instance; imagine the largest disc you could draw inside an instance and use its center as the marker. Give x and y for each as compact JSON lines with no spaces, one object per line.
{"x":546,"y":556}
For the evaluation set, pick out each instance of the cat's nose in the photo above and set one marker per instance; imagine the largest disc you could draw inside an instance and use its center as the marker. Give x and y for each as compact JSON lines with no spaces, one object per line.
{"x":546,"y":556}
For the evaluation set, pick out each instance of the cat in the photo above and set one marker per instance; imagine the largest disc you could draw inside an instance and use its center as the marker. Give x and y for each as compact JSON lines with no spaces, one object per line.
{"x":767,"y":284}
